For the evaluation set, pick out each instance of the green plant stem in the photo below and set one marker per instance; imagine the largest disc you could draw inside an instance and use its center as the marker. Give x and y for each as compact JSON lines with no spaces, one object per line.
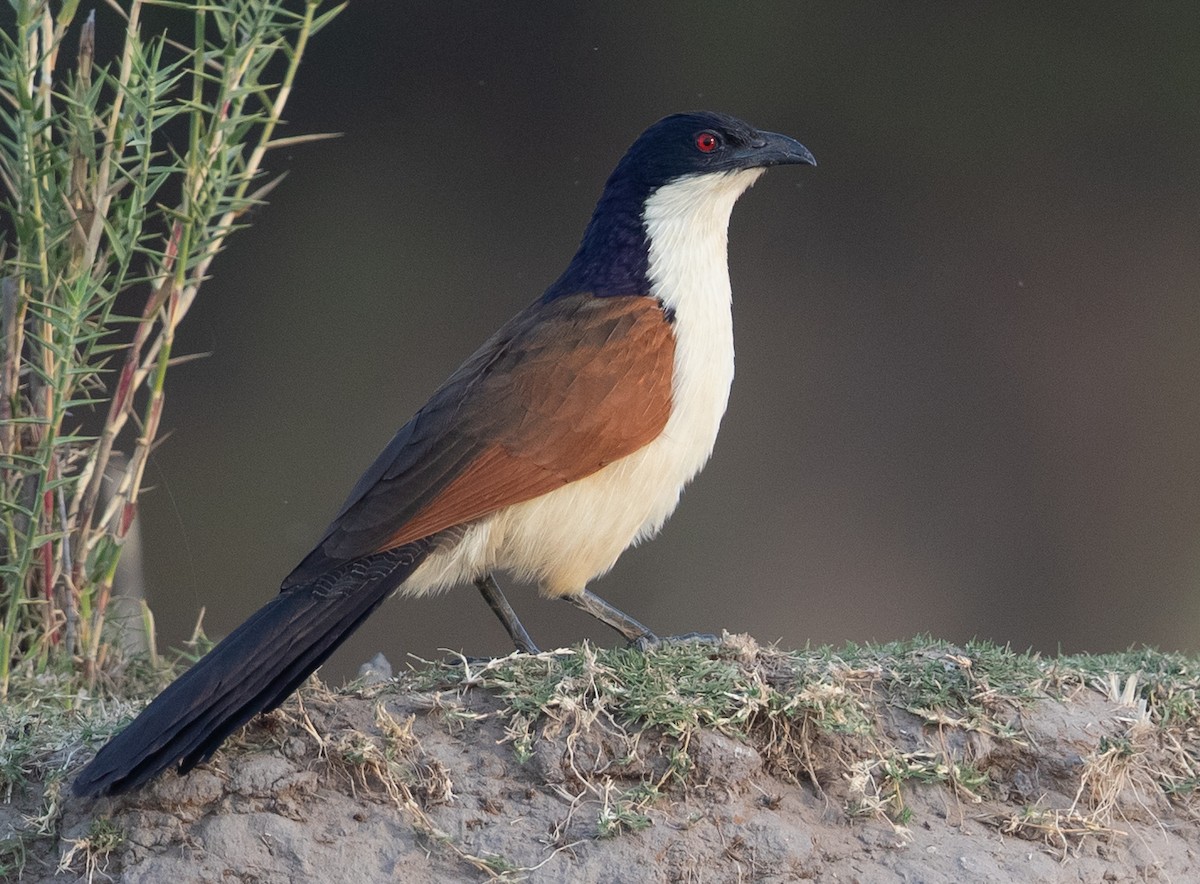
{"x":86,"y":158}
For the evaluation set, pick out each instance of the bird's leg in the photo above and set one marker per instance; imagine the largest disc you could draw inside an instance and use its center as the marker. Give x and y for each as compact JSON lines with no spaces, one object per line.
{"x":633,"y":631}
{"x":499,"y":604}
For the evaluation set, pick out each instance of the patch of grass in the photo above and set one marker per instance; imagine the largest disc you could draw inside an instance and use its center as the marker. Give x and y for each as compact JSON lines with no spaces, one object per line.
{"x":391,"y":759}
{"x":876,"y":785}
{"x":1168,"y":683}
{"x":500,"y":867}
{"x":816,"y":715}
{"x":47,"y":727}
{"x":676,"y":688}
{"x":103,"y":838}
{"x":43,"y":724}
{"x":1057,"y":828}
{"x":14,"y":854}
{"x":625,"y":810}
{"x":976,"y":686}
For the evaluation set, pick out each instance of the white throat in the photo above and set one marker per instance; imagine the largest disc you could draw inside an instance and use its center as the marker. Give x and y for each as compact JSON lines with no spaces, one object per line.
{"x":687,"y":225}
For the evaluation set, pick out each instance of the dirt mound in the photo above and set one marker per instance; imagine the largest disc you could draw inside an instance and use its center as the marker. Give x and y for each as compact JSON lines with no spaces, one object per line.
{"x":690,"y":763}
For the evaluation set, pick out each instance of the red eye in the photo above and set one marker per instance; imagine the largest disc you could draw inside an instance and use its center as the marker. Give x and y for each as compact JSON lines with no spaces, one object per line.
{"x":706,"y":142}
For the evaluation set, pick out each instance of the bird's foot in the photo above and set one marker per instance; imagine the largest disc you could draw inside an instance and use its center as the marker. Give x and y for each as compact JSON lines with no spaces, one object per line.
{"x":650,"y":640}
{"x":645,"y":642}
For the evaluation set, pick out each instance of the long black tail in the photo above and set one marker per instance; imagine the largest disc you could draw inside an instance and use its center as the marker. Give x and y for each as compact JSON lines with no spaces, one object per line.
{"x":252,"y":670}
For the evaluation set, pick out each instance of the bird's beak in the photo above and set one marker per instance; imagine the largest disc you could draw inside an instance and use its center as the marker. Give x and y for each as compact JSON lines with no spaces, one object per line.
{"x":773,"y":149}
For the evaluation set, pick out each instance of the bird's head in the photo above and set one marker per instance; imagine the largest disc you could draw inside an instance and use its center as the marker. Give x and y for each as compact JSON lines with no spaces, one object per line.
{"x":692,"y":162}
{"x":702,"y":143}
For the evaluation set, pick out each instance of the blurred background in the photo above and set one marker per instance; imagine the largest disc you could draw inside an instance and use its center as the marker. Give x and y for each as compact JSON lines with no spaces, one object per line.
{"x":966,"y":395}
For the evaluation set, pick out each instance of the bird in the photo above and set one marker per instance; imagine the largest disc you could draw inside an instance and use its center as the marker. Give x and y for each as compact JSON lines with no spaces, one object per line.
{"x":567,"y":437}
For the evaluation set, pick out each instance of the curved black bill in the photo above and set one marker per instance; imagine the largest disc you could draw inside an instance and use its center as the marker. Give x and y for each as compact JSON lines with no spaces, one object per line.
{"x":775,"y":150}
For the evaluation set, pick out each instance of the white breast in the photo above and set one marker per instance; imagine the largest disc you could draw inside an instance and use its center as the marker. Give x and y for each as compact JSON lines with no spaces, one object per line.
{"x":563,"y":539}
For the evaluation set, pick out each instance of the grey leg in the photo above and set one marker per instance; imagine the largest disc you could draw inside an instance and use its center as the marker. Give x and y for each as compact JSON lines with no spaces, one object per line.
{"x":633,"y":631}
{"x":508,"y":617}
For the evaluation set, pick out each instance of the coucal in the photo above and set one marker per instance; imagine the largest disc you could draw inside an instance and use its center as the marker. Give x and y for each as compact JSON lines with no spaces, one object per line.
{"x":567,"y":437}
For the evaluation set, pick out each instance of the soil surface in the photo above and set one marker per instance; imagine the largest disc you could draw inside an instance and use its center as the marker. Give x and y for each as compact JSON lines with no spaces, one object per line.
{"x":387,"y":783}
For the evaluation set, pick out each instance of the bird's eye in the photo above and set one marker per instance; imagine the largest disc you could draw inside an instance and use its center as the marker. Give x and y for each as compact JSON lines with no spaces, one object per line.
{"x":707,"y":142}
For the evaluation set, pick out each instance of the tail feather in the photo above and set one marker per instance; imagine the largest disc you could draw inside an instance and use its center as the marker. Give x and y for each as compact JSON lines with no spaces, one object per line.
{"x":252,"y":670}
{"x":273,"y":694}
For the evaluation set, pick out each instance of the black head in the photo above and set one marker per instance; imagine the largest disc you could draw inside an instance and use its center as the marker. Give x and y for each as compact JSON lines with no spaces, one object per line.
{"x":701,"y":142}
{"x":612,"y":258}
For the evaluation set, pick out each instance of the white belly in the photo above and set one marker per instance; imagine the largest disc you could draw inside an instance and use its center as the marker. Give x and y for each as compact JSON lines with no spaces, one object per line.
{"x":563,"y":539}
